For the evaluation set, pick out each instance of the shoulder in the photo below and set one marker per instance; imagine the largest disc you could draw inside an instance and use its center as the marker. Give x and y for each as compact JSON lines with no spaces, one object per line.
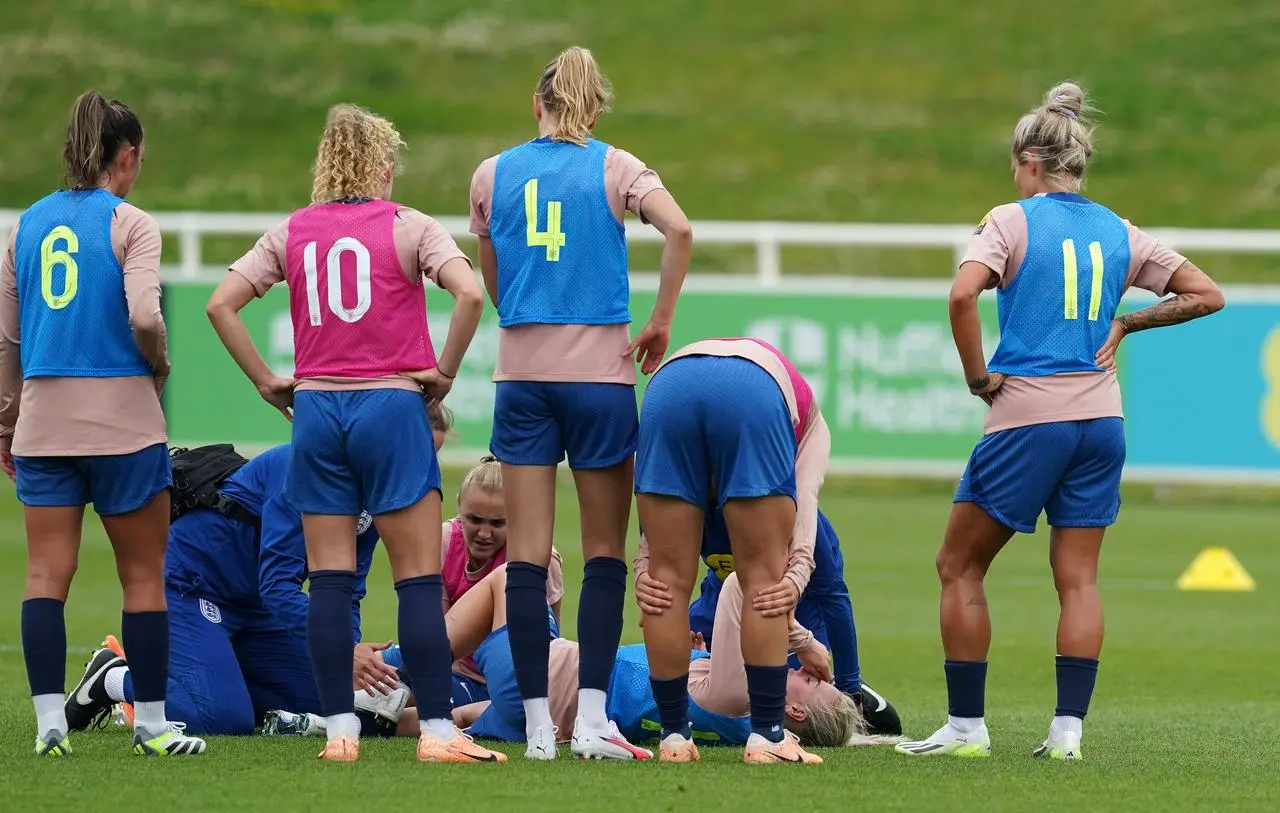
{"x":134,"y":220}
{"x":487,"y":166}
{"x":1002,"y":215}
{"x":413,"y":217}
{"x":420,"y":225}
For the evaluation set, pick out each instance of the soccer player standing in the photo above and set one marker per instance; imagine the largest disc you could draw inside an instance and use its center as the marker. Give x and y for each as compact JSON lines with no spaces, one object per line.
{"x":553,"y":250}
{"x":83,"y":359}
{"x":354,"y":262}
{"x":1054,"y":438}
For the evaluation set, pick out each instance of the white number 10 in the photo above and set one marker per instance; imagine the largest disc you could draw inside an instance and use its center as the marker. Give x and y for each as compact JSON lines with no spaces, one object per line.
{"x":364,"y":289}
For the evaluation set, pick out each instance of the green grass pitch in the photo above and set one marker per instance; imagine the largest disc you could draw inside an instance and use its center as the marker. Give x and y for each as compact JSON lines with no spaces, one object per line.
{"x":1184,"y":717}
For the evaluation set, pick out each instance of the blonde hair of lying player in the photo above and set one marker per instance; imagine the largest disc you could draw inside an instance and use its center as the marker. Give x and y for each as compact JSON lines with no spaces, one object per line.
{"x":817,"y":712}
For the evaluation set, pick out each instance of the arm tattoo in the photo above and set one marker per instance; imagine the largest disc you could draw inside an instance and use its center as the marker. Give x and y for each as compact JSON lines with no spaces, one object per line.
{"x":980,"y":383}
{"x":1179,"y":309}
{"x":976,"y":602}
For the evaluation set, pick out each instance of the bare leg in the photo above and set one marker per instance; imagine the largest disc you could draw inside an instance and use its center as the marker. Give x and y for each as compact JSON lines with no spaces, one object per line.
{"x":531,"y":512}
{"x":53,"y":550}
{"x":480,"y":611}
{"x":604,"y":505}
{"x":1074,"y":554}
{"x":760,"y":533}
{"x":139,"y":540}
{"x":971,"y":543}
{"x":674,"y":530}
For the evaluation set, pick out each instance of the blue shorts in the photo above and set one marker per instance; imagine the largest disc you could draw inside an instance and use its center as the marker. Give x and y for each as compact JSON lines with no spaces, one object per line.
{"x":1070,"y":470}
{"x":539,"y":423}
{"x":504,"y":719}
{"x":362,"y":450}
{"x":466,"y":689}
{"x":114,"y":483}
{"x":711,"y":418}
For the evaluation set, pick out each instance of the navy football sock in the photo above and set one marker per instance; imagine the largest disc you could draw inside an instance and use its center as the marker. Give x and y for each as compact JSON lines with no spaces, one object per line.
{"x":966,"y":688}
{"x":146,"y":638}
{"x":44,"y":645}
{"x":604,"y":587}
{"x":424,"y":642}
{"x":672,"y":697}
{"x":1076,"y":679}
{"x":767,"y":691}
{"x":529,"y":627}
{"x":331,"y":640}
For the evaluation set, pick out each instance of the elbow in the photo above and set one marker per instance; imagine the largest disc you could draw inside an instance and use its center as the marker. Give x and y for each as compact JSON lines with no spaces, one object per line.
{"x":961,"y":298}
{"x":1214,"y":300}
{"x":147,"y":323}
{"x":471,"y":300}
{"x":216,"y":310}
{"x":680,"y":234}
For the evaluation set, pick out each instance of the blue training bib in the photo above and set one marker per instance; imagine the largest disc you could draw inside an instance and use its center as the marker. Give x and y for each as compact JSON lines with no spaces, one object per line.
{"x":562,"y":255}
{"x":1056,"y":313}
{"x":73,"y":313}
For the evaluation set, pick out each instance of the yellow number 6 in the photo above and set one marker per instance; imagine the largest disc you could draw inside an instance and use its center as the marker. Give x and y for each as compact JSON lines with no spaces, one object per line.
{"x":551,"y":239}
{"x":50,"y":257}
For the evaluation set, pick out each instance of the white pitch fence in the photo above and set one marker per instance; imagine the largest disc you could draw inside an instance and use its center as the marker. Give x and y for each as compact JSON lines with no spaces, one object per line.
{"x":768,"y":237}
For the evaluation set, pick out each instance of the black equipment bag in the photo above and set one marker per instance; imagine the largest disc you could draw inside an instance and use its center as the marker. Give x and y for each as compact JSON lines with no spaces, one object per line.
{"x":197,"y":475}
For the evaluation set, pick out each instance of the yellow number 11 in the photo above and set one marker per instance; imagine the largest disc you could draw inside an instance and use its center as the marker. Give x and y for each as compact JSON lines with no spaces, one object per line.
{"x":551,"y":239}
{"x":1071,"y":292}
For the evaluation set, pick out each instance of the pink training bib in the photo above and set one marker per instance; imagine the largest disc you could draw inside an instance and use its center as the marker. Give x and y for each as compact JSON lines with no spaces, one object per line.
{"x":355,"y":313}
{"x":804,"y":393}
{"x":457,"y":581}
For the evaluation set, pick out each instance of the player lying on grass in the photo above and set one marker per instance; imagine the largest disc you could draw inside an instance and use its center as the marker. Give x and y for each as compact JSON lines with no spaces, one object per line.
{"x":816,"y":710}
{"x":234,"y":575}
{"x":1054,"y":438}
{"x":473,"y":544}
{"x":824,"y":609}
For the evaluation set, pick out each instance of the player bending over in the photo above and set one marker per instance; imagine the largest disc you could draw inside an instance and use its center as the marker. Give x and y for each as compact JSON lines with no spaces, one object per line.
{"x":731,"y":418}
{"x":548,"y":214}
{"x":1054,"y":438}
{"x":824,"y":609}
{"x":235,"y":568}
{"x":83,"y":359}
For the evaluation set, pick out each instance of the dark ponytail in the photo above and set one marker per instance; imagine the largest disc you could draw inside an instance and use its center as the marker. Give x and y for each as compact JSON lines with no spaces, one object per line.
{"x":96,"y":133}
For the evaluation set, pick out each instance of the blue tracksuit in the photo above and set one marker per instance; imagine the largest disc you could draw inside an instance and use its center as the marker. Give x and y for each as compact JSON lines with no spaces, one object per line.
{"x":824,"y":607}
{"x":238,"y":613}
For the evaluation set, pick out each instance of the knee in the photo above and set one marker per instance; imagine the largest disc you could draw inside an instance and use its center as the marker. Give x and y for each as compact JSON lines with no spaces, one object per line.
{"x":676,"y":575}
{"x":49,"y":579}
{"x":759,"y":571}
{"x":1068,"y":581}
{"x":953,"y":567}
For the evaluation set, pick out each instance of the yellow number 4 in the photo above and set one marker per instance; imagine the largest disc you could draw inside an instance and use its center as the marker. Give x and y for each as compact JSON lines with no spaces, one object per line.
{"x":1072,"y":293}
{"x":50,"y":258}
{"x":551,"y":239}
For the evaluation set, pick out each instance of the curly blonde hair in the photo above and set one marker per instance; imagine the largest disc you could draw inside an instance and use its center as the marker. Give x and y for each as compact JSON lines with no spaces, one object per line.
{"x":575,"y":92}
{"x":354,"y":153}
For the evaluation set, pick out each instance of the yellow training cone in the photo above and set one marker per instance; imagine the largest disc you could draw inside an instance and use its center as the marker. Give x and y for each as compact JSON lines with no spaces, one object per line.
{"x":1215,"y":569}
